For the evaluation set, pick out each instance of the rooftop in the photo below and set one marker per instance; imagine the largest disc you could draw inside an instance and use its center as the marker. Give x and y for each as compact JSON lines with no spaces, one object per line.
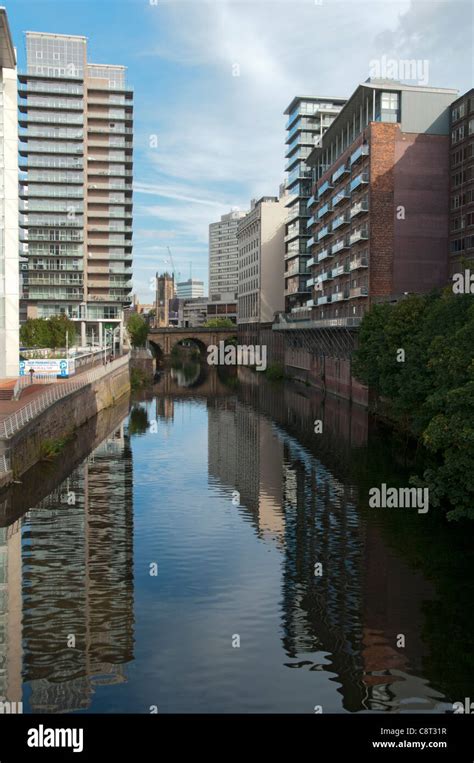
{"x":7,"y":51}
{"x":312,"y":99}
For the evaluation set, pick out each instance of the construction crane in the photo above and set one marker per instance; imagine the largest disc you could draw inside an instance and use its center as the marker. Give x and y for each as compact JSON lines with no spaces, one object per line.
{"x":173,"y":272}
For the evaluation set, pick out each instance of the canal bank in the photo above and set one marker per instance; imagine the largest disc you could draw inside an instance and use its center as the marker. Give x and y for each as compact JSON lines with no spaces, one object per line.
{"x":45,"y":423}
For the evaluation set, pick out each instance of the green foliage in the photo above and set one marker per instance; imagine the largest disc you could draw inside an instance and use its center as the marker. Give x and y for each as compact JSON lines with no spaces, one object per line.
{"x":275,"y":372}
{"x":220,"y":323}
{"x":138,"y":420}
{"x":50,"y":449}
{"x":51,"y":332}
{"x":138,"y":378}
{"x":431,"y":393}
{"x":137,"y":328}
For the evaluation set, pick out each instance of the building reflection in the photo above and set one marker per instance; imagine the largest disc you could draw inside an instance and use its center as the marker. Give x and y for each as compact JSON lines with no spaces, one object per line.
{"x":299,"y":496}
{"x":78,"y":625}
{"x":10,"y":614}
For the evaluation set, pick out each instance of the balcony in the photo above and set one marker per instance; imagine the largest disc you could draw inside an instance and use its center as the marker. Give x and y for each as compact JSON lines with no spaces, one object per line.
{"x":359,"y":153}
{"x":359,"y":180}
{"x":341,"y":196}
{"x":324,"y":211}
{"x":359,"y":208}
{"x":310,"y":303}
{"x":342,"y":243}
{"x":337,"y":297}
{"x":359,"y":262}
{"x":360,"y":291}
{"x":310,"y":262}
{"x":326,"y":275}
{"x":339,"y":173}
{"x":338,"y":271}
{"x":325,"y":299}
{"x":310,"y":242}
{"x":362,"y":234}
{"x":324,"y":232}
{"x":326,"y":186}
{"x":310,"y":282}
{"x":292,"y":233}
{"x":297,"y":210}
{"x":310,"y":202}
{"x":324,"y":254}
{"x":51,"y":88}
{"x":341,"y":220}
{"x":310,"y":222}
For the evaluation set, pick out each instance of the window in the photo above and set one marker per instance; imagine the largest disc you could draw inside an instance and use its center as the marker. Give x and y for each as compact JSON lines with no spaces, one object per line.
{"x":387,"y":107}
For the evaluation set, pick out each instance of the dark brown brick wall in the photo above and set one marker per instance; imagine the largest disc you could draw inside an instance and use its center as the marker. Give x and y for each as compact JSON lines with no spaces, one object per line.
{"x":422,"y":189}
{"x":381,"y":205}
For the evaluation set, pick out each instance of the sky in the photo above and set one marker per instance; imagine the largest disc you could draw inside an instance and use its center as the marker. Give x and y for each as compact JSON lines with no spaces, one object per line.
{"x":212,"y":79}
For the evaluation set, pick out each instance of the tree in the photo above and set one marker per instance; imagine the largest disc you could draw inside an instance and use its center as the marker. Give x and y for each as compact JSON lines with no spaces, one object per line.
{"x":430,"y":393}
{"x":137,"y":328}
{"x":51,"y":332}
{"x":219,"y":323}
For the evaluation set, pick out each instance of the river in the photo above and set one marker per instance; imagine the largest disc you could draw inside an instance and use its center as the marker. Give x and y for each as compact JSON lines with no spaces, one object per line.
{"x":205,"y":550}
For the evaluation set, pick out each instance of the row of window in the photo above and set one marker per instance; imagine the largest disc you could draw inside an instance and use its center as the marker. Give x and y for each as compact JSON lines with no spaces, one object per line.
{"x":459,"y":133}
{"x":462,"y":244}
{"x":463,"y":176}
{"x":462,"y":221}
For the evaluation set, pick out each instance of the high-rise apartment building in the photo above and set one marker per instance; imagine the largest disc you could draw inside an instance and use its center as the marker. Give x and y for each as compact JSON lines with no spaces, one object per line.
{"x":308,"y":119}
{"x":223,"y":256}
{"x":76,"y":125}
{"x":261,"y":245}
{"x":379,"y":209}
{"x":461,"y":239}
{"x":9,"y":276}
{"x":190,"y":289}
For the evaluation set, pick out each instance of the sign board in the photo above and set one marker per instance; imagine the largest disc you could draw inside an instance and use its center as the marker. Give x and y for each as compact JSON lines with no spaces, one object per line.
{"x":53,"y":366}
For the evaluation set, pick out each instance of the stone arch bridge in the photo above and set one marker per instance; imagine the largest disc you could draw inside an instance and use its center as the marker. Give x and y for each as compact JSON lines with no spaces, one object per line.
{"x":164,"y":339}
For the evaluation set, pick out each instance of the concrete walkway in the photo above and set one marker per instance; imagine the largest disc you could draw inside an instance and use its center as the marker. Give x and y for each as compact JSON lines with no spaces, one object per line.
{"x":33,"y":391}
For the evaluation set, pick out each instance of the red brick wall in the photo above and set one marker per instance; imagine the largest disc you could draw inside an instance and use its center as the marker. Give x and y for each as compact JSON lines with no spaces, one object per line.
{"x":381,"y":205}
{"x":422,"y":188}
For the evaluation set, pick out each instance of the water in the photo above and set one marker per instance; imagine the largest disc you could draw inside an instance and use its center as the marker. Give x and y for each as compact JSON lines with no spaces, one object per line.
{"x":223,"y":490}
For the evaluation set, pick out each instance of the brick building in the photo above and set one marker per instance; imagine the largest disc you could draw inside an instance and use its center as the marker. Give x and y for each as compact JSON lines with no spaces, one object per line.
{"x":379,"y":209}
{"x":461,"y":238}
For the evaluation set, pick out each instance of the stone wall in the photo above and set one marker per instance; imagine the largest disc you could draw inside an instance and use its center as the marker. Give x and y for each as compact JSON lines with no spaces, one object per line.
{"x":63,"y":417}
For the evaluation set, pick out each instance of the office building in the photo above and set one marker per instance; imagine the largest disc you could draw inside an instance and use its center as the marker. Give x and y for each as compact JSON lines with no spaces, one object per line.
{"x":9,"y":275}
{"x":461,"y":237}
{"x":379,"y":209}
{"x":223,"y":256}
{"x":190,"y":289}
{"x":76,"y":125}
{"x":261,"y":246}
{"x":308,"y":119}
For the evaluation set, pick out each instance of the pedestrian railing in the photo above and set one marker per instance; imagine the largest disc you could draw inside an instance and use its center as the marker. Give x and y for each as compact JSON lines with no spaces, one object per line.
{"x":13,"y":423}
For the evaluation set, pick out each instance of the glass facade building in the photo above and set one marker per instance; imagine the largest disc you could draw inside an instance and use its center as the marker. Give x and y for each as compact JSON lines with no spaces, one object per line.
{"x":76,"y":164}
{"x":308,"y":119}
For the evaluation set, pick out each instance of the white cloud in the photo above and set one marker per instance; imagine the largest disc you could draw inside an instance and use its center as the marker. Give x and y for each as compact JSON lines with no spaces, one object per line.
{"x":221,"y":137}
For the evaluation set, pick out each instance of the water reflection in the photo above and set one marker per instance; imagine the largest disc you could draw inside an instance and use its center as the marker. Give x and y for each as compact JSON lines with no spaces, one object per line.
{"x":238,"y":501}
{"x":68,"y":616}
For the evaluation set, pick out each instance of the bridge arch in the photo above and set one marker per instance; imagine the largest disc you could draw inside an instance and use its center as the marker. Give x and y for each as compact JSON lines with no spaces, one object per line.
{"x":162,"y":340}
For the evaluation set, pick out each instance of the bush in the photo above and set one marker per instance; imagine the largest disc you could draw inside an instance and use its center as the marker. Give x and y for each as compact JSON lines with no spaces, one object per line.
{"x":430,"y":393}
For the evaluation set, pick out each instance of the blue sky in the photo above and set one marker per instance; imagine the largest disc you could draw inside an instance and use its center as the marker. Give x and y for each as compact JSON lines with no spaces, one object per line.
{"x":207,"y":140}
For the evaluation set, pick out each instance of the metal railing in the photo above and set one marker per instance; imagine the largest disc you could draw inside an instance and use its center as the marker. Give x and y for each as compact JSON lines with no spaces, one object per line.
{"x":13,"y":423}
